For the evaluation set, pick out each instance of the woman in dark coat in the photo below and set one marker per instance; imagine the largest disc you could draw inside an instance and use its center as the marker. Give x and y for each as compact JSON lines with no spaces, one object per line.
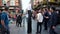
{"x":19,"y":20}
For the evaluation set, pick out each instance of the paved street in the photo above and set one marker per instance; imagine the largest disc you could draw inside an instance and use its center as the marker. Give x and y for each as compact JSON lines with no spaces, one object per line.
{"x":23,"y":30}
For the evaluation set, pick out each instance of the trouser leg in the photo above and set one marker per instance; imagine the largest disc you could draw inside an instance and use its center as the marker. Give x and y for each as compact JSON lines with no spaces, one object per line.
{"x":0,"y":31}
{"x":37,"y":27}
{"x":8,"y":32}
{"x":45,"y":25}
{"x":40,"y":27}
{"x":20,"y":24}
{"x":3,"y":32}
{"x":29,"y":28}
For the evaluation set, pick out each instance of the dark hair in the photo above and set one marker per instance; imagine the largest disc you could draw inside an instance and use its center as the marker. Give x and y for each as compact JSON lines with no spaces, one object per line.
{"x":4,"y":4}
{"x":53,"y":8}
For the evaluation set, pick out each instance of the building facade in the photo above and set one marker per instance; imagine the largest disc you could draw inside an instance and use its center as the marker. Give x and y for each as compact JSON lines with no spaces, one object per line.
{"x":13,"y":6}
{"x":45,"y":2}
{"x":0,"y":2}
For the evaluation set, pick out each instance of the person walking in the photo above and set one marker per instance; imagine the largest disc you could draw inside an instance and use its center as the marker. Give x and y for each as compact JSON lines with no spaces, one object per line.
{"x":39,"y":21}
{"x":46,"y":19}
{"x":53,"y":21}
{"x":19,"y":20}
{"x":5,"y":21}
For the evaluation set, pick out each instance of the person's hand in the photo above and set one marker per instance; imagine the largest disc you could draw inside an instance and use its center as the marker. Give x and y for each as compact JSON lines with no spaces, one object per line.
{"x":53,"y":27}
{"x":47,"y":17}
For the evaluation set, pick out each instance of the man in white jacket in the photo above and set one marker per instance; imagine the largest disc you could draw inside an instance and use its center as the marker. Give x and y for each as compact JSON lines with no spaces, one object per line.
{"x":39,"y":21}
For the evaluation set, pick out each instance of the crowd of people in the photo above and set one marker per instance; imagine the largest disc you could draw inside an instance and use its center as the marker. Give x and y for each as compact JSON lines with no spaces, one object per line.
{"x":46,"y":16}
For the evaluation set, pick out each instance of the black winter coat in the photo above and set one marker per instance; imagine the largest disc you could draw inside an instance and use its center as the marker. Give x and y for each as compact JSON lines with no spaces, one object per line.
{"x":19,"y":19}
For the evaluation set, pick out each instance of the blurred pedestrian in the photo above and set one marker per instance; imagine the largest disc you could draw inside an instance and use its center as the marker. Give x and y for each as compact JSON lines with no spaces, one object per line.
{"x":49,"y":21}
{"x":5,"y":21}
{"x":29,"y":22}
{"x":19,"y":20}
{"x":39,"y":21}
{"x":53,"y":21}
{"x":46,"y":19}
